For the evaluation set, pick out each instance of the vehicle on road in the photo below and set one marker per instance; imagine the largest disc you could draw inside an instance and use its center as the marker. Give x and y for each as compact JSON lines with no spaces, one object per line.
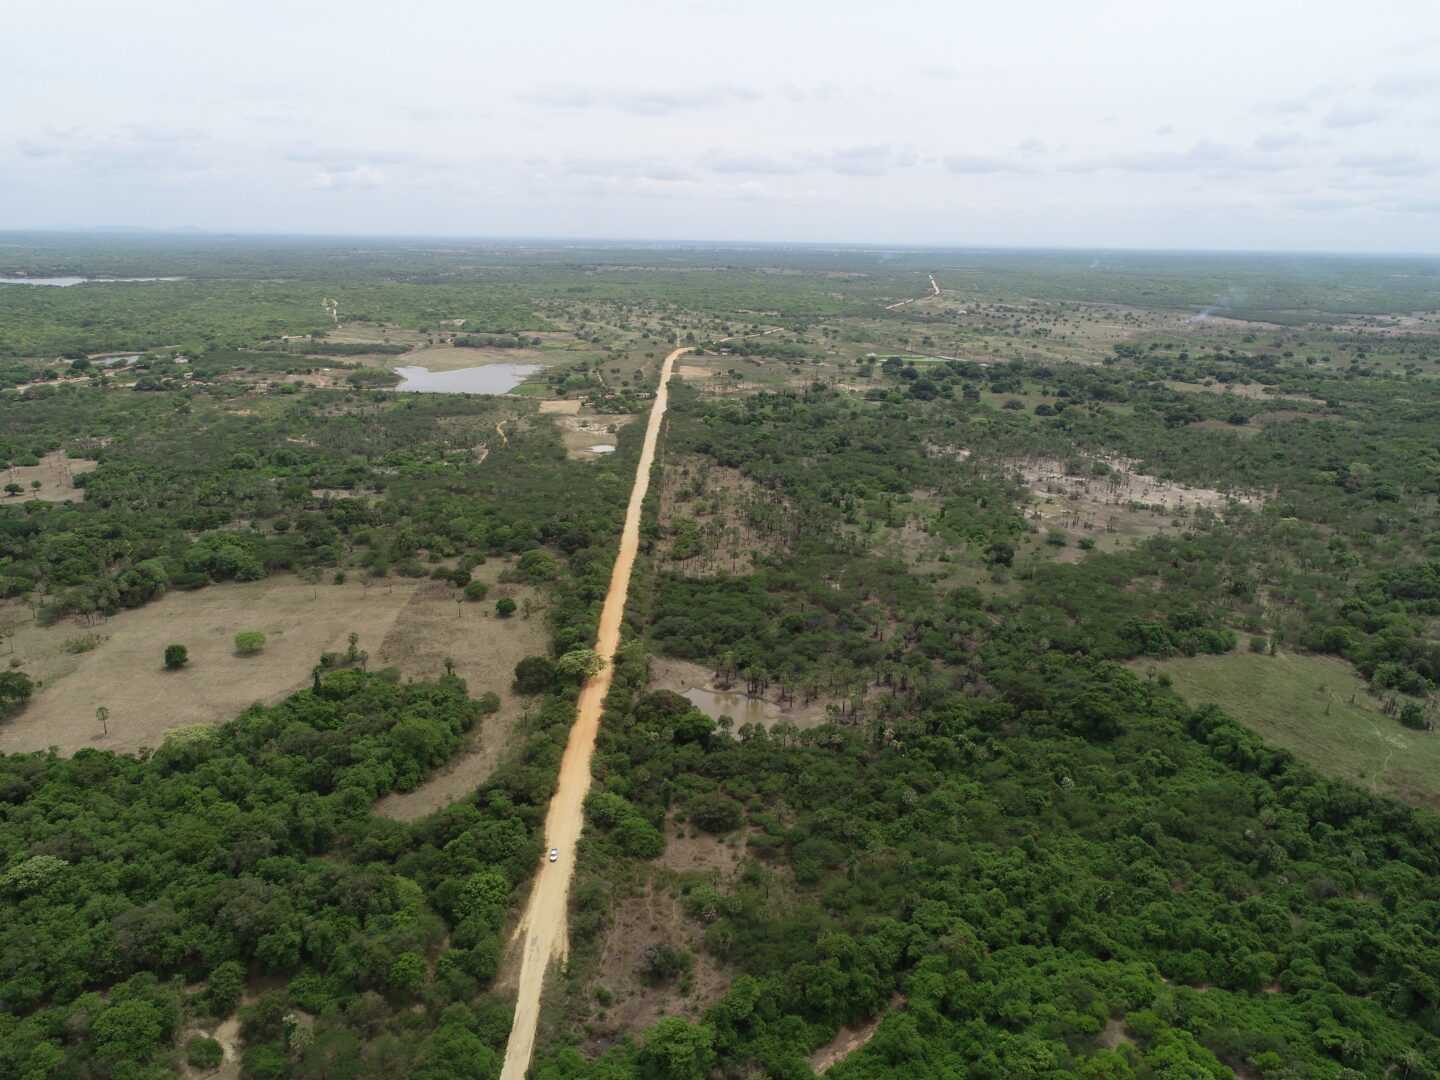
{"x":554,"y":854}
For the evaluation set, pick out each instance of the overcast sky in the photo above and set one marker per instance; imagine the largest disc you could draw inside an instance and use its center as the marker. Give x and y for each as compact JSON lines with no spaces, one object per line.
{"x":1263,"y":124}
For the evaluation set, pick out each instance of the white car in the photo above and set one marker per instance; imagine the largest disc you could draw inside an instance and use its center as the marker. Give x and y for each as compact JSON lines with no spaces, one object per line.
{"x":554,"y":854}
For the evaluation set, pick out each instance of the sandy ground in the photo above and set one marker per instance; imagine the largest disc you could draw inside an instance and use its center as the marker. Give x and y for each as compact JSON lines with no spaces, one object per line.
{"x":1124,"y":503}
{"x":560,"y":405}
{"x":1246,"y":390}
{"x":406,"y":623}
{"x":485,"y":649}
{"x":125,"y":671}
{"x":653,"y":915}
{"x":54,"y":473}
{"x":694,"y":371}
{"x":544,"y":929}
{"x":847,"y":1040}
{"x":581,"y":433}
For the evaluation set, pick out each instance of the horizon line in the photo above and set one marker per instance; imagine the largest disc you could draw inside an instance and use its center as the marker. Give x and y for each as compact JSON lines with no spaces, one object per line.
{"x":195,"y":232}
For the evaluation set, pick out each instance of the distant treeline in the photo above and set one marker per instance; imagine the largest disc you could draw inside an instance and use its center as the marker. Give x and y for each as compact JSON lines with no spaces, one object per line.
{"x":494,"y":341}
{"x":326,"y":348}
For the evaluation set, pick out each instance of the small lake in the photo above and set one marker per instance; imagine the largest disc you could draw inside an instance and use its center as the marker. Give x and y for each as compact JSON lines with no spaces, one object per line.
{"x":489,"y":379}
{"x":742,"y":708}
{"x":63,"y":282}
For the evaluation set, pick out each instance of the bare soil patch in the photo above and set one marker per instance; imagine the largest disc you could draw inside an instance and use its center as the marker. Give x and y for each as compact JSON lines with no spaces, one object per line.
{"x":1113,"y":1034}
{"x":55,"y":473}
{"x":485,"y":649}
{"x":406,"y":623}
{"x":560,"y":405}
{"x":847,"y":1040}
{"x":724,"y":504}
{"x":1122,"y":503}
{"x":581,"y":432}
{"x":125,"y":672}
{"x":690,"y":851}
{"x":1246,"y":390}
{"x":652,"y":916}
{"x":694,"y":371}
{"x":227,"y":1034}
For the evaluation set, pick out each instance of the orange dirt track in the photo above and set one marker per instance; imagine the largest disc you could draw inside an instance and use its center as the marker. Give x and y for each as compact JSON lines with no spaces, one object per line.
{"x":544,"y":929}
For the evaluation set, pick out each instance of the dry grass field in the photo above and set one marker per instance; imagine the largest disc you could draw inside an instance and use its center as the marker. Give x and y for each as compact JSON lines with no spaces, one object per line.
{"x":408,"y":624}
{"x":54,"y":473}
{"x":1121,"y":507}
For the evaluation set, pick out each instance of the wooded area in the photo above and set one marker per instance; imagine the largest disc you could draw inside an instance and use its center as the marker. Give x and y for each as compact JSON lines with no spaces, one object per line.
{"x":980,"y":812}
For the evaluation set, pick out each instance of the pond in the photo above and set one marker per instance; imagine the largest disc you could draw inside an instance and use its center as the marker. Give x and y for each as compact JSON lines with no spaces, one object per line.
{"x":742,"y":708}
{"x":489,"y":379}
{"x":64,"y":282}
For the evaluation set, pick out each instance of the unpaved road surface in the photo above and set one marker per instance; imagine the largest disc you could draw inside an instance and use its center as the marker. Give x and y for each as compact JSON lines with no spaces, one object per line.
{"x":935,"y":291}
{"x":543,"y":929}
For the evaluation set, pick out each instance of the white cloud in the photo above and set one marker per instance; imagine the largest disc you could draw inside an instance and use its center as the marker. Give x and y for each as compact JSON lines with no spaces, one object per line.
{"x":873,"y":160}
{"x":1390,"y":164}
{"x":1404,"y":86}
{"x":645,"y":102}
{"x":361,"y":176}
{"x":983,"y":163}
{"x":1350,"y":116}
{"x":759,"y":164}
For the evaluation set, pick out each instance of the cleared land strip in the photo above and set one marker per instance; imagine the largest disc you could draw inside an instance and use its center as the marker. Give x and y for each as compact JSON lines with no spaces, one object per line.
{"x":545,"y":934}
{"x":934,"y":292}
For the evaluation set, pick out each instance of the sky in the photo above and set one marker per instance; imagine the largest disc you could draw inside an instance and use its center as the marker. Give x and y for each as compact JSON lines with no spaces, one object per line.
{"x":1305,"y":125}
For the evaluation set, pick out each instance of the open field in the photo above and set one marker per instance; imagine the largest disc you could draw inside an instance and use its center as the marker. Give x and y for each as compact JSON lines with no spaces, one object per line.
{"x":1122,"y":505}
{"x":651,"y":915}
{"x":55,"y":473}
{"x":405,"y":623}
{"x":125,"y":672}
{"x":1317,"y":708}
{"x":580,"y":432}
{"x":485,"y":649}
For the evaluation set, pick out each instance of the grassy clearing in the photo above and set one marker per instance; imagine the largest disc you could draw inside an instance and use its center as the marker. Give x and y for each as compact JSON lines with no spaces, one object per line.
{"x":1285,"y":699}
{"x":406,"y":623}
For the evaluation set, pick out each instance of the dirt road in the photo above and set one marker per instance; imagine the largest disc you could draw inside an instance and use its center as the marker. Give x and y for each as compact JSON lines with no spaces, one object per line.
{"x":543,"y":929}
{"x":935,"y":291}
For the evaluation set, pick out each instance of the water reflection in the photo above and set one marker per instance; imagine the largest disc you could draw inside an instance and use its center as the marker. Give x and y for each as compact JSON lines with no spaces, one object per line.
{"x":742,"y":708}
{"x":65,"y":282}
{"x":489,"y":379}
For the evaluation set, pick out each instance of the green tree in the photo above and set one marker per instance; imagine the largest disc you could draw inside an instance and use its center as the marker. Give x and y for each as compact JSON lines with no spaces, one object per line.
{"x":408,"y":973}
{"x":176,"y":656}
{"x":505,"y":607}
{"x":476,"y":590}
{"x":533,"y":675}
{"x":203,"y":1053}
{"x":715,"y":812}
{"x":223,"y":993}
{"x":579,"y":664}
{"x":536,"y":566}
{"x":676,"y":1050}
{"x":249,"y":642}
{"x":15,"y":687}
